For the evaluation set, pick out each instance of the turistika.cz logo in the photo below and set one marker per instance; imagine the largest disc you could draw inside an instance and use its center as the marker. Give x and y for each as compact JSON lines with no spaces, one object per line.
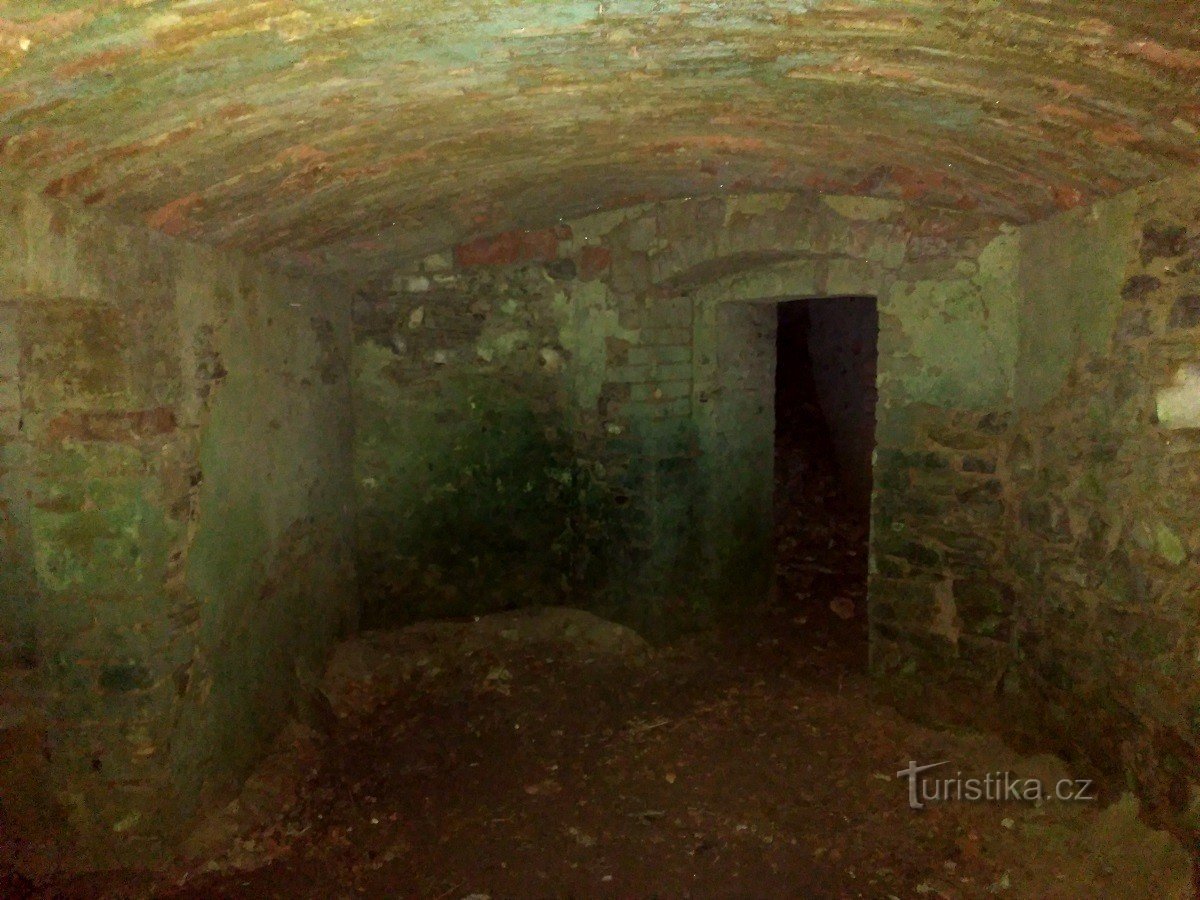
{"x":994,"y":787}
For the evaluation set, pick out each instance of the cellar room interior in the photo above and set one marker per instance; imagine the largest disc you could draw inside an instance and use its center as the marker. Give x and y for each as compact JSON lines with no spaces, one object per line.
{"x":468,"y":448}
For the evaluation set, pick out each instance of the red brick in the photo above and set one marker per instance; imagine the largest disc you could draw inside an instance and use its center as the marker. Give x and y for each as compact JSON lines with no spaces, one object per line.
{"x":1067,"y":197}
{"x":540,"y":245}
{"x":512,"y":247}
{"x":112,"y":426}
{"x":501,"y":250}
{"x":593,"y":261}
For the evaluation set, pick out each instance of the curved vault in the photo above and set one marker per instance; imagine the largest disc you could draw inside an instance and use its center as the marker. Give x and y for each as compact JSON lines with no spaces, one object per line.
{"x":353,"y":133}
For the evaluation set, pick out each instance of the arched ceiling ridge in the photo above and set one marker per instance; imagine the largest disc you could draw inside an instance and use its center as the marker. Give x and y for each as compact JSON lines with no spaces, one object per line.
{"x":350,"y":134}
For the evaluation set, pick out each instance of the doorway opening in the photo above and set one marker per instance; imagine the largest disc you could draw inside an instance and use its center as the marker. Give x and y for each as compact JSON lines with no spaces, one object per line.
{"x":825,"y":395}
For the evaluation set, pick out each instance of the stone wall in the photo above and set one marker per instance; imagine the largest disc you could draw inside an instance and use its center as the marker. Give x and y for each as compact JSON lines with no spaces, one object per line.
{"x":941,"y":604}
{"x":1105,"y":467}
{"x":580,"y":414}
{"x":603,"y":390}
{"x":472,"y":494}
{"x":174,"y":524}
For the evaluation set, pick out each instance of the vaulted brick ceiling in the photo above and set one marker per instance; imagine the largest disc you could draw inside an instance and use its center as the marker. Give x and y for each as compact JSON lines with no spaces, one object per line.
{"x":359,"y":131}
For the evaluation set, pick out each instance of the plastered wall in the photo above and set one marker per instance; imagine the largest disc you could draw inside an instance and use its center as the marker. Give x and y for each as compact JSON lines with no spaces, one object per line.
{"x":174,"y":522}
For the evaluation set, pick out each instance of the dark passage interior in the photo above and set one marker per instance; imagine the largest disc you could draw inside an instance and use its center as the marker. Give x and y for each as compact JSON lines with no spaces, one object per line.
{"x":824,"y":439}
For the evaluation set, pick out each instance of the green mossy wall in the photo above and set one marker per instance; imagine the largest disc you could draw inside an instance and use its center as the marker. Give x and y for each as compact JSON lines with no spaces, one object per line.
{"x":197,"y":453}
{"x":1105,"y":490}
{"x":476,"y":492}
{"x":174,"y":526}
{"x":585,"y":414}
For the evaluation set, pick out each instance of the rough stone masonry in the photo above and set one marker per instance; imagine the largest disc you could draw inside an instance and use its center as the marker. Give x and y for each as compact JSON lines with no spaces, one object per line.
{"x":313,"y":314}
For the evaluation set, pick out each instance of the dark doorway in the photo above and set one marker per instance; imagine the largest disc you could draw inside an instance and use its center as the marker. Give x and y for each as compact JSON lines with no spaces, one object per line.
{"x":824,"y":439}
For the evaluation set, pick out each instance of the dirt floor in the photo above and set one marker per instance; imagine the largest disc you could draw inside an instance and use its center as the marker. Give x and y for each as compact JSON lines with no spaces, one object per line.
{"x":555,"y":756}
{"x":551,"y":754}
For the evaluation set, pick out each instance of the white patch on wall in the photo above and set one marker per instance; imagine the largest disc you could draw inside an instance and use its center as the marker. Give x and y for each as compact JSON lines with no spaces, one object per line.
{"x":946,"y":621}
{"x":1179,"y":405}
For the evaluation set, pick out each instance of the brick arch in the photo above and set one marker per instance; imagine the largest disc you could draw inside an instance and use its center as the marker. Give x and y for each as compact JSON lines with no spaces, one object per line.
{"x":815,"y":276}
{"x":655,"y":248}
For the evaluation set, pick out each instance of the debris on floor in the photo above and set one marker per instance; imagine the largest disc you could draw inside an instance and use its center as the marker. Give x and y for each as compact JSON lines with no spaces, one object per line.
{"x":715,"y":767}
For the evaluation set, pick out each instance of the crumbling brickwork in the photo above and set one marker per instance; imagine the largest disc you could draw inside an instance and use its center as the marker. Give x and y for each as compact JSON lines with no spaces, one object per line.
{"x":642,"y":341}
{"x":175,"y":553}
